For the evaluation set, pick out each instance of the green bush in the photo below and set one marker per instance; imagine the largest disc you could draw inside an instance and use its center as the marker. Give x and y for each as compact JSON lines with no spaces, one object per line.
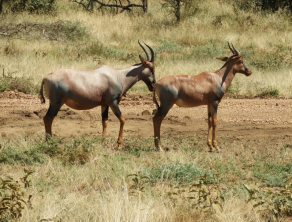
{"x":32,"y":6}
{"x":204,"y":194}
{"x":74,"y":150}
{"x":265,"y":5}
{"x":14,"y":197}
{"x":272,"y":203}
{"x":21,"y":84}
{"x":268,"y":92}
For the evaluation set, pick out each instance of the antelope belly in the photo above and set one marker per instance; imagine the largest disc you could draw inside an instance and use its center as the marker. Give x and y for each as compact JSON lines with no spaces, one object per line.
{"x":182,"y":103}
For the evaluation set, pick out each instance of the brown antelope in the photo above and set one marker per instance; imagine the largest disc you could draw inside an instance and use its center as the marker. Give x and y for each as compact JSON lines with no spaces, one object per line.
{"x":206,"y":88}
{"x":105,"y":86}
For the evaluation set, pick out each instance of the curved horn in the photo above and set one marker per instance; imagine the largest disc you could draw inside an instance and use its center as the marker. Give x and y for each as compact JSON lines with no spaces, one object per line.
{"x":152,"y":53}
{"x":235,"y":50}
{"x":147,"y":55}
{"x":231,"y":49}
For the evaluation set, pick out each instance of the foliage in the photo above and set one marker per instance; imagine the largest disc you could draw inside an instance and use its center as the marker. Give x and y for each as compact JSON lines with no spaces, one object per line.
{"x":138,"y":182}
{"x":266,"y":5}
{"x":273,"y":174}
{"x":32,"y":6}
{"x":60,"y":30}
{"x":272,"y":202}
{"x":75,"y":150}
{"x":13,"y":197}
{"x":22,"y":84}
{"x":204,"y":196}
{"x":178,"y":173}
{"x":267,"y":92}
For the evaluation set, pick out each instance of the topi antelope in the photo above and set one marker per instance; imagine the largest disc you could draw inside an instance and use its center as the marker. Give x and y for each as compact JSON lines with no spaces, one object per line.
{"x":206,"y":88}
{"x":105,"y":86}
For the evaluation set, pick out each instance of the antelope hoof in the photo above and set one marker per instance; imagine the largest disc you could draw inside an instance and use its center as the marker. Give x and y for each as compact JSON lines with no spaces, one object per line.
{"x":160,"y":149}
{"x":48,"y":137}
{"x":211,"y":148}
{"x":120,"y":146}
{"x":217,"y":149}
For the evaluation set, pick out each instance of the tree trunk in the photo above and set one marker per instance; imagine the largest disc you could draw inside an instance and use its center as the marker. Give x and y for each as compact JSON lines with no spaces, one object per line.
{"x":177,"y":10}
{"x":1,"y":6}
{"x":145,"y":5}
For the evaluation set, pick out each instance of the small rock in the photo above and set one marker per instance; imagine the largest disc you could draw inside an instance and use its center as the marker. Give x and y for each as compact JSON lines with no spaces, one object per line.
{"x":146,"y":113}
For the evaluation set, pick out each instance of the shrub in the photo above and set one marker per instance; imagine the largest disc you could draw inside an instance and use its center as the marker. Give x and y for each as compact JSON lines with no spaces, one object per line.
{"x":273,"y":203}
{"x":33,"y":6}
{"x":266,"y":5}
{"x":14,"y":197}
{"x":268,"y":92}
{"x":21,"y":84}
{"x":205,"y":196}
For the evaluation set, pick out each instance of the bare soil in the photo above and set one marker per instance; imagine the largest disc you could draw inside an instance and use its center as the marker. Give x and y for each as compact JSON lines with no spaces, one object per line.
{"x":263,"y":120}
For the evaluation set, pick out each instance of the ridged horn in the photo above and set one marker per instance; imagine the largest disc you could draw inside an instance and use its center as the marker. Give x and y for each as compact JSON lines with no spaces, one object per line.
{"x":152,"y":53}
{"x":235,"y":50}
{"x":147,"y":55}
{"x":231,"y":49}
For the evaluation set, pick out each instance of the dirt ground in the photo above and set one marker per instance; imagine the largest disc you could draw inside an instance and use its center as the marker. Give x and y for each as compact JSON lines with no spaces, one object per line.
{"x":263,"y":120}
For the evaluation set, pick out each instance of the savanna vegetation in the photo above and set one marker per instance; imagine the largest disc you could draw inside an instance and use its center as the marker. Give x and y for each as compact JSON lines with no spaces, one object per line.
{"x":87,"y":179}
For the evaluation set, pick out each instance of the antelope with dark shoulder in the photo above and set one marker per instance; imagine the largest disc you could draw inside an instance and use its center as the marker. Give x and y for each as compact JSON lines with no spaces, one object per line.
{"x":105,"y":86}
{"x":206,"y":88}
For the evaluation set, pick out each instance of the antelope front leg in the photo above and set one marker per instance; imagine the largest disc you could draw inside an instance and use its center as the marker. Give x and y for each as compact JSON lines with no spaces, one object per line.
{"x":121,"y":118}
{"x":122,"y":123}
{"x":157,"y":120}
{"x":104,"y":116}
{"x":209,"y":140}
{"x":214,"y":126}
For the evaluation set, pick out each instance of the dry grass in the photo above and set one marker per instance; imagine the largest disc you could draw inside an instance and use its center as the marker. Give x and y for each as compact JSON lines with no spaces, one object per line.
{"x":183,"y":48}
{"x":100,"y":189}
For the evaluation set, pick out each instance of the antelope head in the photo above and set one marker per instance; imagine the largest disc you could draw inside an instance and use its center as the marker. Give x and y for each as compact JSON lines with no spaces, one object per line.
{"x":148,"y":73}
{"x":236,"y":61}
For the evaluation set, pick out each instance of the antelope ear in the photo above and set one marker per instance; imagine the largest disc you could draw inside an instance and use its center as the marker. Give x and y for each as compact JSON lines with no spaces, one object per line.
{"x":224,"y":59}
{"x":144,"y":62}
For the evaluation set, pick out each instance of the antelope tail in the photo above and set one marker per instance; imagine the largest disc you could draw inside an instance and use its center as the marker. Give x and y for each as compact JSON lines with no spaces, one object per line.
{"x":41,"y":95}
{"x":154,"y":99}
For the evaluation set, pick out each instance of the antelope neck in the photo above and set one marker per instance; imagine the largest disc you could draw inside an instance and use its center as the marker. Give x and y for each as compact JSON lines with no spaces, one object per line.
{"x":129,"y":76}
{"x":227,"y":74}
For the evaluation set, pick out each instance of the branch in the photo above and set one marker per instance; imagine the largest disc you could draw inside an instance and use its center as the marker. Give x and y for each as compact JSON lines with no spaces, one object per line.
{"x":84,"y":5}
{"x":124,"y":7}
{"x":4,"y":33}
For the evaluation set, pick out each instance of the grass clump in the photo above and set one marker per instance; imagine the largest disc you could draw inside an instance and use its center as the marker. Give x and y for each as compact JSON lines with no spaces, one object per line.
{"x":177,"y":173}
{"x":54,"y":31}
{"x":75,"y":150}
{"x":273,"y":174}
{"x":22,"y":84}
